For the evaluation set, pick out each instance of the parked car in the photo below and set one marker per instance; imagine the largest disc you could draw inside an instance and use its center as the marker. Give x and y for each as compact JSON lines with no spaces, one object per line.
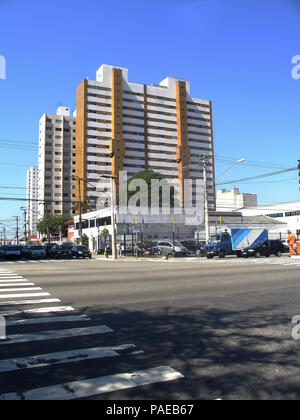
{"x":142,"y":249}
{"x":128,"y":248}
{"x":61,"y":251}
{"x":194,"y":248}
{"x":154,"y":248}
{"x":48,"y":246}
{"x":170,"y":248}
{"x":81,"y":251}
{"x":266,"y":248}
{"x":34,"y":252}
{"x":11,"y":252}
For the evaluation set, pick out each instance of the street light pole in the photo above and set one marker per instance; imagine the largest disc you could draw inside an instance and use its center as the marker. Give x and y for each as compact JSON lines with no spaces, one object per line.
{"x":206,"y":209}
{"x":80,"y":210}
{"x":230,"y":167}
{"x":113,"y":239}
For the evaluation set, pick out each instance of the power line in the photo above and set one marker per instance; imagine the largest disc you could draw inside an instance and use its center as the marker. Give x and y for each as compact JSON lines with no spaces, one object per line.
{"x":33,"y":146}
{"x":258,"y":176}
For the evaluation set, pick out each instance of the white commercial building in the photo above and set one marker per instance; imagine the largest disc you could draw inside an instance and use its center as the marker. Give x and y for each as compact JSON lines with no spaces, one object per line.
{"x":57,"y":154}
{"x":32,"y":199}
{"x":234,"y":200}
{"x":288,"y":213}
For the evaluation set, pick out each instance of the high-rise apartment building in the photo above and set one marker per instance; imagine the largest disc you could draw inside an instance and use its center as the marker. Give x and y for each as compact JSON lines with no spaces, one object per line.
{"x":32,"y":199}
{"x":124,"y":126}
{"x":57,"y":151}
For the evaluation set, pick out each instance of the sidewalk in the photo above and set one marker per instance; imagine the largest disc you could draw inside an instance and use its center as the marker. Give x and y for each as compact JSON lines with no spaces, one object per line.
{"x":151,"y":258}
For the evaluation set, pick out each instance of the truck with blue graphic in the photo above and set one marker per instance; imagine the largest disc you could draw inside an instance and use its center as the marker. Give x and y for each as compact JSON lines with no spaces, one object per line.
{"x":234,"y":241}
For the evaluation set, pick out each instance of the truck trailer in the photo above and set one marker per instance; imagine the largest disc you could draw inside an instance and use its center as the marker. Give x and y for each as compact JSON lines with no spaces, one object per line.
{"x":233,"y":241}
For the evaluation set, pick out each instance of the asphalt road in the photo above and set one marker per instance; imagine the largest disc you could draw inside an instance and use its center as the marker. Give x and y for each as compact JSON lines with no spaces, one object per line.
{"x":224,"y":325}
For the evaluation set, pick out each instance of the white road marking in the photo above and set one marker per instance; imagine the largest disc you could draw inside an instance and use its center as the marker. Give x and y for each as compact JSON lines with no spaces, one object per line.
{"x":13,"y":280}
{"x":71,"y":356}
{"x":12,"y":284}
{"x":46,"y":310}
{"x":48,"y":320}
{"x":29,"y":302}
{"x":22,"y":295}
{"x":88,"y":388}
{"x":20,"y":289}
{"x":57,"y":334}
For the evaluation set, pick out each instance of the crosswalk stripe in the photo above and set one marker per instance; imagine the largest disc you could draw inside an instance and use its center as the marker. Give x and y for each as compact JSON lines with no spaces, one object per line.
{"x":57,"y":334}
{"x":97,"y":386}
{"x":20,"y":289}
{"x":16,"y":284}
{"x":28,"y":302}
{"x":46,"y":310}
{"x":13,"y":280}
{"x":10,"y":277}
{"x":70,"y":356}
{"x":22,"y":295}
{"x":48,"y":320}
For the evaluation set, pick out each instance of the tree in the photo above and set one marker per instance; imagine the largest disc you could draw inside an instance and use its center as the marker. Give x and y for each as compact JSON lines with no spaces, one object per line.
{"x":55,"y":223}
{"x":148,"y":176}
{"x":85,"y":240}
{"x":87,"y":206}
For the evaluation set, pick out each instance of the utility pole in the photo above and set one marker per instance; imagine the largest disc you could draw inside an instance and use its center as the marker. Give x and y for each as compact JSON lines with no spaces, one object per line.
{"x":17,"y":228}
{"x":113,"y":239}
{"x":113,"y":220}
{"x":206,"y":209}
{"x":80,"y":211}
{"x":47,"y":224}
{"x":25,"y":224}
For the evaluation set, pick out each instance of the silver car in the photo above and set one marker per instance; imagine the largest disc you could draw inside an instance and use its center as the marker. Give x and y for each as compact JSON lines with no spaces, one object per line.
{"x":170,"y":248}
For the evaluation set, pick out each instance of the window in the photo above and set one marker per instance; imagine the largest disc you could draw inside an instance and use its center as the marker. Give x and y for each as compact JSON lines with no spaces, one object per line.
{"x":275,"y":215}
{"x":292,"y":213}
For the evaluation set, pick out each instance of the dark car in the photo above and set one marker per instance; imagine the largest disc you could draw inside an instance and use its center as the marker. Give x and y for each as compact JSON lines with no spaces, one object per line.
{"x":48,"y":246}
{"x":81,"y":251}
{"x":61,"y":251}
{"x":142,"y":249}
{"x":11,"y":252}
{"x":34,"y":252}
{"x":266,"y":248}
{"x":194,"y":248}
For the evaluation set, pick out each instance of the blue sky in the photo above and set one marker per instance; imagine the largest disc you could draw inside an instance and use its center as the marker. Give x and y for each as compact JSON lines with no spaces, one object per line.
{"x":236,"y":53}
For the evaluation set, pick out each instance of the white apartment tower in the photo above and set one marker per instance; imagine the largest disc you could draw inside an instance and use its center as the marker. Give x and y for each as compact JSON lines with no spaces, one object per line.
{"x":57,"y":144}
{"x":32,"y":199}
{"x":124,"y":126}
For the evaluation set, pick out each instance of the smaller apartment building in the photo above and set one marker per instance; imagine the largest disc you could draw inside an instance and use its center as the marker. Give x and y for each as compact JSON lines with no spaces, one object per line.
{"x":32,"y":199}
{"x":57,"y":154}
{"x":288,"y":213}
